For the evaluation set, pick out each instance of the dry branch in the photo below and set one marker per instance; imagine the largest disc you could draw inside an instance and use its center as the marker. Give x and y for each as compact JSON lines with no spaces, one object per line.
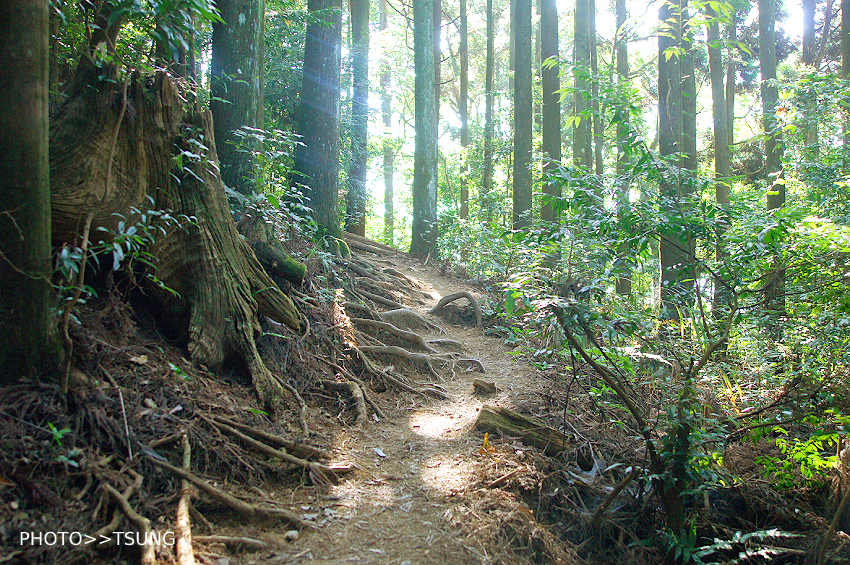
{"x":452,"y":297}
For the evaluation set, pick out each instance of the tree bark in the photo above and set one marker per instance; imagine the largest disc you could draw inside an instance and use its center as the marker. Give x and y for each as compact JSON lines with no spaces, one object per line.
{"x":355,"y":209}
{"x":317,"y":158}
{"x":236,"y":94}
{"x":551,"y":126}
{"x":29,"y":344}
{"x":522,"y":117}
{"x":845,"y":38}
{"x":424,"y":225}
{"x":731,"y":76}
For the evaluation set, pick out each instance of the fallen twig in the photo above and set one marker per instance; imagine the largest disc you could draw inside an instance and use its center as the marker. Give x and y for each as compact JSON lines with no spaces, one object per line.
{"x":183,"y":526}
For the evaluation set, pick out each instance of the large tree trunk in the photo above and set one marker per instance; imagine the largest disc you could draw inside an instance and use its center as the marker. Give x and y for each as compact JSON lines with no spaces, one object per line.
{"x":236,"y":90}
{"x":551,"y":104}
{"x":673,"y":249}
{"x":423,"y":238}
{"x":317,"y":158}
{"x":29,"y":344}
{"x":522,"y":117}
{"x":355,"y":203}
{"x":221,"y":287}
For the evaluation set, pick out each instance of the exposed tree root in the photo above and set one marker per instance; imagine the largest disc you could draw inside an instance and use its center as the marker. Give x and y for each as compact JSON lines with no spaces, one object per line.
{"x":408,"y":319}
{"x":452,"y":297}
{"x":305,"y":451}
{"x":142,"y":524}
{"x":356,"y":393}
{"x":401,"y":334}
{"x":447,"y":344}
{"x":322,"y":473}
{"x":231,"y":501}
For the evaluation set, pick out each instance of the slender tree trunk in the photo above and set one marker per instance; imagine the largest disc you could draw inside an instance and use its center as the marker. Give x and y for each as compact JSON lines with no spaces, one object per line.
{"x":808,"y":55}
{"x":386,"y":101}
{"x":29,"y":344}
{"x":621,"y":55}
{"x":549,"y":49}
{"x":845,"y":38}
{"x":722,"y":154}
{"x":464,"y":112}
{"x":236,"y":89}
{"x":355,"y":209}
{"x":522,"y":117}
{"x":490,"y":65}
{"x":582,"y":142}
{"x":674,"y":257}
{"x":424,"y":228}
{"x":317,"y":159}
{"x":731,"y":76}
{"x":775,"y":288}
{"x":598,"y":119}
{"x":437,"y":14}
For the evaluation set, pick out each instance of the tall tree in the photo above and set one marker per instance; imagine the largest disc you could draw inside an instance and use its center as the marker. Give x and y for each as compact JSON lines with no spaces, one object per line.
{"x":423,"y":237}
{"x":437,"y":14}
{"x":29,"y":345}
{"x":845,"y":38}
{"x":621,"y":55}
{"x":774,"y":290}
{"x":317,"y":158}
{"x":489,"y":71}
{"x":722,"y":153}
{"x":389,"y":154}
{"x":522,"y":116}
{"x":355,"y":205}
{"x":582,"y":142}
{"x":731,"y":74}
{"x":463,"y":110}
{"x":671,"y":89}
{"x":808,"y":55}
{"x":549,"y":51}
{"x":596,"y":116}
{"x":236,"y":88}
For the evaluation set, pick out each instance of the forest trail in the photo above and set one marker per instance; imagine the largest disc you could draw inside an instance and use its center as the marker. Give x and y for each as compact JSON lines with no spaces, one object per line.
{"x":410,"y":501}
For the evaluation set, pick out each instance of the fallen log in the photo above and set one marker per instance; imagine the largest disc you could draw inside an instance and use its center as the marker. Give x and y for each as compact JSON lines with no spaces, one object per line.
{"x":531,"y":430}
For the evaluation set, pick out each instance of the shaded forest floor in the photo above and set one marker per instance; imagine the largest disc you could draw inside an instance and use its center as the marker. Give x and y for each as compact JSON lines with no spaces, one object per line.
{"x":413,"y":483}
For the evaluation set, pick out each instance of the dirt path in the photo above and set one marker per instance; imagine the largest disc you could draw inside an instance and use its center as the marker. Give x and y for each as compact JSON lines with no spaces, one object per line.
{"x":405,"y":504}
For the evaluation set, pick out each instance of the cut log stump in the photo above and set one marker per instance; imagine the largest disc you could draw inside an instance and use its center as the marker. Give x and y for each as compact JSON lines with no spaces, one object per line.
{"x":531,"y":430}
